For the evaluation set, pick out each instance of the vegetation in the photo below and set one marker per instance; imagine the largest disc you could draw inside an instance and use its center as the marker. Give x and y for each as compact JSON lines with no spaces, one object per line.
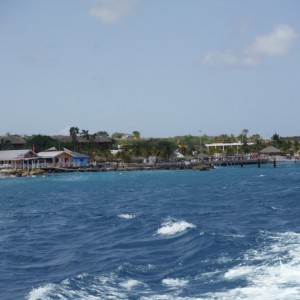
{"x":41,"y":142}
{"x":102,"y":133}
{"x":117,"y":135}
{"x":136,"y":134}
{"x":132,"y":147}
{"x":5,"y":144}
{"x":73,"y":133}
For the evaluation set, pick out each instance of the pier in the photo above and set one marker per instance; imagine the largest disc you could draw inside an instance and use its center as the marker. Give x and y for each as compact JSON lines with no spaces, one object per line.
{"x":239,"y":162}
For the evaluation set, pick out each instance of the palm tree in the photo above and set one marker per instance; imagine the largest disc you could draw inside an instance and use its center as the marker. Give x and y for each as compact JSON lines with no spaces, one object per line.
{"x":276,"y":140}
{"x":85,"y":134}
{"x":73,"y":133}
{"x":244,"y":135}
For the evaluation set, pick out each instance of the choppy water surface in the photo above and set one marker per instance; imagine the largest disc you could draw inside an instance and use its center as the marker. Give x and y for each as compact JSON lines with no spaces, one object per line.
{"x":230,"y":233}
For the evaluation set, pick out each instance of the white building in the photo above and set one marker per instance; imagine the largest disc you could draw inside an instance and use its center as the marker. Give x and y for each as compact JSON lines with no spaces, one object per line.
{"x":226,"y":145}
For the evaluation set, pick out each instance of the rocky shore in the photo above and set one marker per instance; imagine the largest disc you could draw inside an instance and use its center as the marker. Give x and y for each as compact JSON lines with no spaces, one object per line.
{"x":22,"y":173}
{"x":119,"y":168}
{"x":134,"y":167}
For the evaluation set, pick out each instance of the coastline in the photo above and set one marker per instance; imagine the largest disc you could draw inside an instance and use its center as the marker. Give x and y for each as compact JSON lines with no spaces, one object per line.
{"x":117,"y":168}
{"x":123,"y":167}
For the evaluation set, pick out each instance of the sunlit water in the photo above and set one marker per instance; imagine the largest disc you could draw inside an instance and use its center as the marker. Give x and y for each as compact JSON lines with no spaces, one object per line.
{"x":230,"y":233}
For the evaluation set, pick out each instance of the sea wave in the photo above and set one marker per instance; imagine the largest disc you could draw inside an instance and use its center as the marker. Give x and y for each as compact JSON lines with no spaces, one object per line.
{"x":130,"y":284}
{"x":106,"y":287}
{"x":111,"y":238}
{"x":173,"y":227}
{"x":127,"y":216}
{"x":175,"y":283}
{"x":85,"y":287}
{"x":271,"y":272}
{"x":41,"y":292}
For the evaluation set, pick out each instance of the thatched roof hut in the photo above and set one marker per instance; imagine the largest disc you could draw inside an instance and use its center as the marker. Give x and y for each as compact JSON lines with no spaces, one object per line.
{"x":270,"y":150}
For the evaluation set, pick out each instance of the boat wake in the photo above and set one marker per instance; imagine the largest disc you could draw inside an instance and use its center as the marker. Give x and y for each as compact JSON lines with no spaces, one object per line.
{"x":270,"y":272}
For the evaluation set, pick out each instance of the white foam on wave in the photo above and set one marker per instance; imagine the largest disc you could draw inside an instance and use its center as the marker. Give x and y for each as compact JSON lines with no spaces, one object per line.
{"x":234,"y":235}
{"x":127,"y":216}
{"x":173,"y":227}
{"x":240,"y":272}
{"x":175,"y":283}
{"x":40,"y":292}
{"x":272,"y":272}
{"x":86,"y":287}
{"x":276,"y":208}
{"x":130,"y":284}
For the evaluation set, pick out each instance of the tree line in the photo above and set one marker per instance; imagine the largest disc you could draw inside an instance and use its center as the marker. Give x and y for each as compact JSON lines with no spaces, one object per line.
{"x":138,"y":147}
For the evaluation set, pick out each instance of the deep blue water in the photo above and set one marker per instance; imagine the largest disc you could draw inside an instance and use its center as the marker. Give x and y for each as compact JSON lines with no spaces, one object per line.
{"x":230,"y":233}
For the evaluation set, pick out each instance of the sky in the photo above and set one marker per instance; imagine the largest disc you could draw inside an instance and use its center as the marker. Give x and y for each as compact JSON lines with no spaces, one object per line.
{"x":161,"y":67}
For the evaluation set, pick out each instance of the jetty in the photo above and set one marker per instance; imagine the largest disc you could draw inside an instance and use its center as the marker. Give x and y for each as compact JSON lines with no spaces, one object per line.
{"x":239,"y":162}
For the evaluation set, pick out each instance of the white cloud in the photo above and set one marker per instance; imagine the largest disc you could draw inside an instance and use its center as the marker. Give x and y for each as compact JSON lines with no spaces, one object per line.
{"x":226,"y":58}
{"x":112,"y":11}
{"x":277,"y":43}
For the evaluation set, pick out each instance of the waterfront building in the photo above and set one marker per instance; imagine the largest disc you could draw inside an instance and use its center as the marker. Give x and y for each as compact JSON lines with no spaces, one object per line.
{"x":226,"y":145}
{"x":17,"y":159}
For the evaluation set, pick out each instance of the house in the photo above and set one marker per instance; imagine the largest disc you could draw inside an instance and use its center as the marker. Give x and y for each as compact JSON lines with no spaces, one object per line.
{"x":12,"y":142}
{"x":65,"y":158}
{"x":17,"y":158}
{"x":127,"y":136}
{"x":79,"y":159}
{"x":55,"y":157}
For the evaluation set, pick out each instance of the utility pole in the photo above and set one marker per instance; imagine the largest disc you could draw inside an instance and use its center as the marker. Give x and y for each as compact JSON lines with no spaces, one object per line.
{"x":200,"y":141}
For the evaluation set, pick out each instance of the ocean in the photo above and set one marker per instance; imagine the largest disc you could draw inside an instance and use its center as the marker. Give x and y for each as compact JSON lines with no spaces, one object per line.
{"x":229,"y":233}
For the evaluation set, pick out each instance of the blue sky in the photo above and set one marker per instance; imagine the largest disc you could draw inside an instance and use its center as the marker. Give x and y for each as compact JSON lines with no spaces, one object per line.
{"x":161,"y":67}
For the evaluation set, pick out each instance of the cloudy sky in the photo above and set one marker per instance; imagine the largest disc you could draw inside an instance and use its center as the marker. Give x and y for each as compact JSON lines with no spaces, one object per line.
{"x":161,"y":67}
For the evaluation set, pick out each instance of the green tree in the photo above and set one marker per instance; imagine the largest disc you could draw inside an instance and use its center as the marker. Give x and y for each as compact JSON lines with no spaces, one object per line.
{"x":165,"y":148}
{"x":136,"y":148}
{"x":223,"y":138}
{"x":276,"y":140}
{"x":295,"y":146}
{"x":102,"y":133}
{"x":258,"y":142}
{"x":85,"y":134}
{"x":73,"y":133}
{"x":5,"y":145}
{"x":136,"y":134}
{"x":286,"y":145}
{"x":41,"y":142}
{"x":188,"y":144}
{"x":243,"y":136}
{"x":117,"y":135}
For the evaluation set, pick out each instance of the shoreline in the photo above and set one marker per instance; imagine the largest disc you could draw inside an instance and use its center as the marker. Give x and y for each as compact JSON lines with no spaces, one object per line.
{"x":127,"y":168}
{"x":4,"y":173}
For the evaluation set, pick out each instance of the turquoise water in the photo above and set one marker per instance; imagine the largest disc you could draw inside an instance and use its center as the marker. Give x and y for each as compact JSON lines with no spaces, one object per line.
{"x":230,"y":233}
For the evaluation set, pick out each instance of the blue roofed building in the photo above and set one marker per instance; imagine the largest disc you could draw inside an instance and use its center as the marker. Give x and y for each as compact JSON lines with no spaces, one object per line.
{"x":64,"y":158}
{"x":80,"y":160}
